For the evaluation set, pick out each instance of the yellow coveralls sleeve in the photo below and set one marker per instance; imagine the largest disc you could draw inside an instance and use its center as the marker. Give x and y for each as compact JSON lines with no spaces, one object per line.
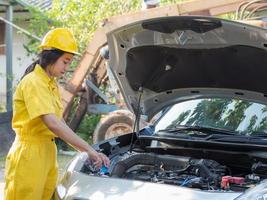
{"x":38,"y":100}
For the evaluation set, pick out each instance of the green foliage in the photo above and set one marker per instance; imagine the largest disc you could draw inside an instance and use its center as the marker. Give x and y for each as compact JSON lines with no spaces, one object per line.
{"x":83,"y":17}
{"x":223,"y":113}
{"x":181,"y":118}
{"x":2,"y":108}
{"x":40,"y":23}
{"x":85,"y":131}
{"x":87,"y":127}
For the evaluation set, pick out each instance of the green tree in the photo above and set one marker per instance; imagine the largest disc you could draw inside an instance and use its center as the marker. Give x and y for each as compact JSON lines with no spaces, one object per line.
{"x":252,"y":123}
{"x":261,"y":128}
{"x":264,"y":109}
{"x":263,"y":124}
{"x":209,"y":112}
{"x":237,"y":114}
{"x":83,"y":17}
{"x":180,"y":119}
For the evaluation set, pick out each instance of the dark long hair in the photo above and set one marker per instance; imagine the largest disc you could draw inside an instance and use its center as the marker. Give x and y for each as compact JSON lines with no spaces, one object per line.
{"x":44,"y":59}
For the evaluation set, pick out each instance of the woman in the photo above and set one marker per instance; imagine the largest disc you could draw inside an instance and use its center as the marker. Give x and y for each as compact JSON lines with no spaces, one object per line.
{"x":31,"y":165}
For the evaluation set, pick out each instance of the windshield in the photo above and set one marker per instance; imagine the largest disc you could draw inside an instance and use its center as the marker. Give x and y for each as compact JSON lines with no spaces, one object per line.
{"x":243,"y":117}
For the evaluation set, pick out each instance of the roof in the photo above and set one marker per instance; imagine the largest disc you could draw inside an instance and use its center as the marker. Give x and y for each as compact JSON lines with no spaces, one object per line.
{"x":40,"y":4}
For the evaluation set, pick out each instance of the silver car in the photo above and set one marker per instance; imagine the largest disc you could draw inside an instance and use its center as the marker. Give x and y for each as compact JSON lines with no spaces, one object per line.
{"x":202,"y":84}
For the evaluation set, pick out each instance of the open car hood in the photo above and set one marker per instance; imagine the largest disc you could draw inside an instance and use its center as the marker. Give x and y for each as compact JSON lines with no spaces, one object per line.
{"x":166,"y":60}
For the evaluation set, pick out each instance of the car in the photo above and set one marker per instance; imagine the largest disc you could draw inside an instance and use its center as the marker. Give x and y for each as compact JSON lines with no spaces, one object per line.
{"x":201,"y":84}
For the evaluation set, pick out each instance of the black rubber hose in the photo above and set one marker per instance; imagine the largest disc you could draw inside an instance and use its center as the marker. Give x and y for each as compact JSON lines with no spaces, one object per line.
{"x":148,"y":159}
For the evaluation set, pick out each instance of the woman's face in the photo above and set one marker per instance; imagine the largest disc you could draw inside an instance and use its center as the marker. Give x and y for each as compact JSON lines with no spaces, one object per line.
{"x":62,"y":64}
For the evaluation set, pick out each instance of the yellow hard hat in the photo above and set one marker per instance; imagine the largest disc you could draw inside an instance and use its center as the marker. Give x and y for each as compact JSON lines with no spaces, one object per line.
{"x":60,"y":38}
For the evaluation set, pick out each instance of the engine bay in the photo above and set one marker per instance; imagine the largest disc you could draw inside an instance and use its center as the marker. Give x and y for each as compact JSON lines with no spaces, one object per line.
{"x":203,"y":174}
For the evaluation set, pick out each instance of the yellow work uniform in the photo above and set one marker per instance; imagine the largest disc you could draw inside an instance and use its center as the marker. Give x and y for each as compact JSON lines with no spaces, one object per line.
{"x":31,"y":164}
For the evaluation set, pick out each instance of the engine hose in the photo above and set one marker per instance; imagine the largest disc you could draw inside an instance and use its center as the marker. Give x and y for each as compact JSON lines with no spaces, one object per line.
{"x":148,"y":159}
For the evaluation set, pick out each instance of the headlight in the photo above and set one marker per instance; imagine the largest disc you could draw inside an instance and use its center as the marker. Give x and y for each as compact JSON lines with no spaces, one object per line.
{"x":257,"y":193}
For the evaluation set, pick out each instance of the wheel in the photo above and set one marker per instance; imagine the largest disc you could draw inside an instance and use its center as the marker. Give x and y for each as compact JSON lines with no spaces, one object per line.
{"x":116,"y":123}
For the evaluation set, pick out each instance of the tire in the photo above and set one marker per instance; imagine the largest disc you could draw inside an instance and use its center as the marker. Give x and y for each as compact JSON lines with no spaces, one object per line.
{"x":116,"y":123}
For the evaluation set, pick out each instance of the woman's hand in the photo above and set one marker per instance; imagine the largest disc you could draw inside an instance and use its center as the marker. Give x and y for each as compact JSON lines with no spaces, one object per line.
{"x":98,"y":159}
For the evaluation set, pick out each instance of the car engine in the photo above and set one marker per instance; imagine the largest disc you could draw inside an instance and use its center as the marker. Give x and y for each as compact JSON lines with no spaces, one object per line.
{"x":189,"y":172}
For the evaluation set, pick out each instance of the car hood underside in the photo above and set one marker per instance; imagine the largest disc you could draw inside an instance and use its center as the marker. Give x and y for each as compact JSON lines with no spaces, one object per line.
{"x":162,"y":69}
{"x":172,"y":59}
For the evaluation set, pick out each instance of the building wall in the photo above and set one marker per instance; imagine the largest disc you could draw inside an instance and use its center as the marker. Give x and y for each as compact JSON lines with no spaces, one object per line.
{"x":20,"y":60}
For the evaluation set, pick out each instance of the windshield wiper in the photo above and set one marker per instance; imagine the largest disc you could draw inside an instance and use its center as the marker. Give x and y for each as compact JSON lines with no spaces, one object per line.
{"x":258,"y":134}
{"x":216,"y":134}
{"x":203,"y":130}
{"x":242,"y":139}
